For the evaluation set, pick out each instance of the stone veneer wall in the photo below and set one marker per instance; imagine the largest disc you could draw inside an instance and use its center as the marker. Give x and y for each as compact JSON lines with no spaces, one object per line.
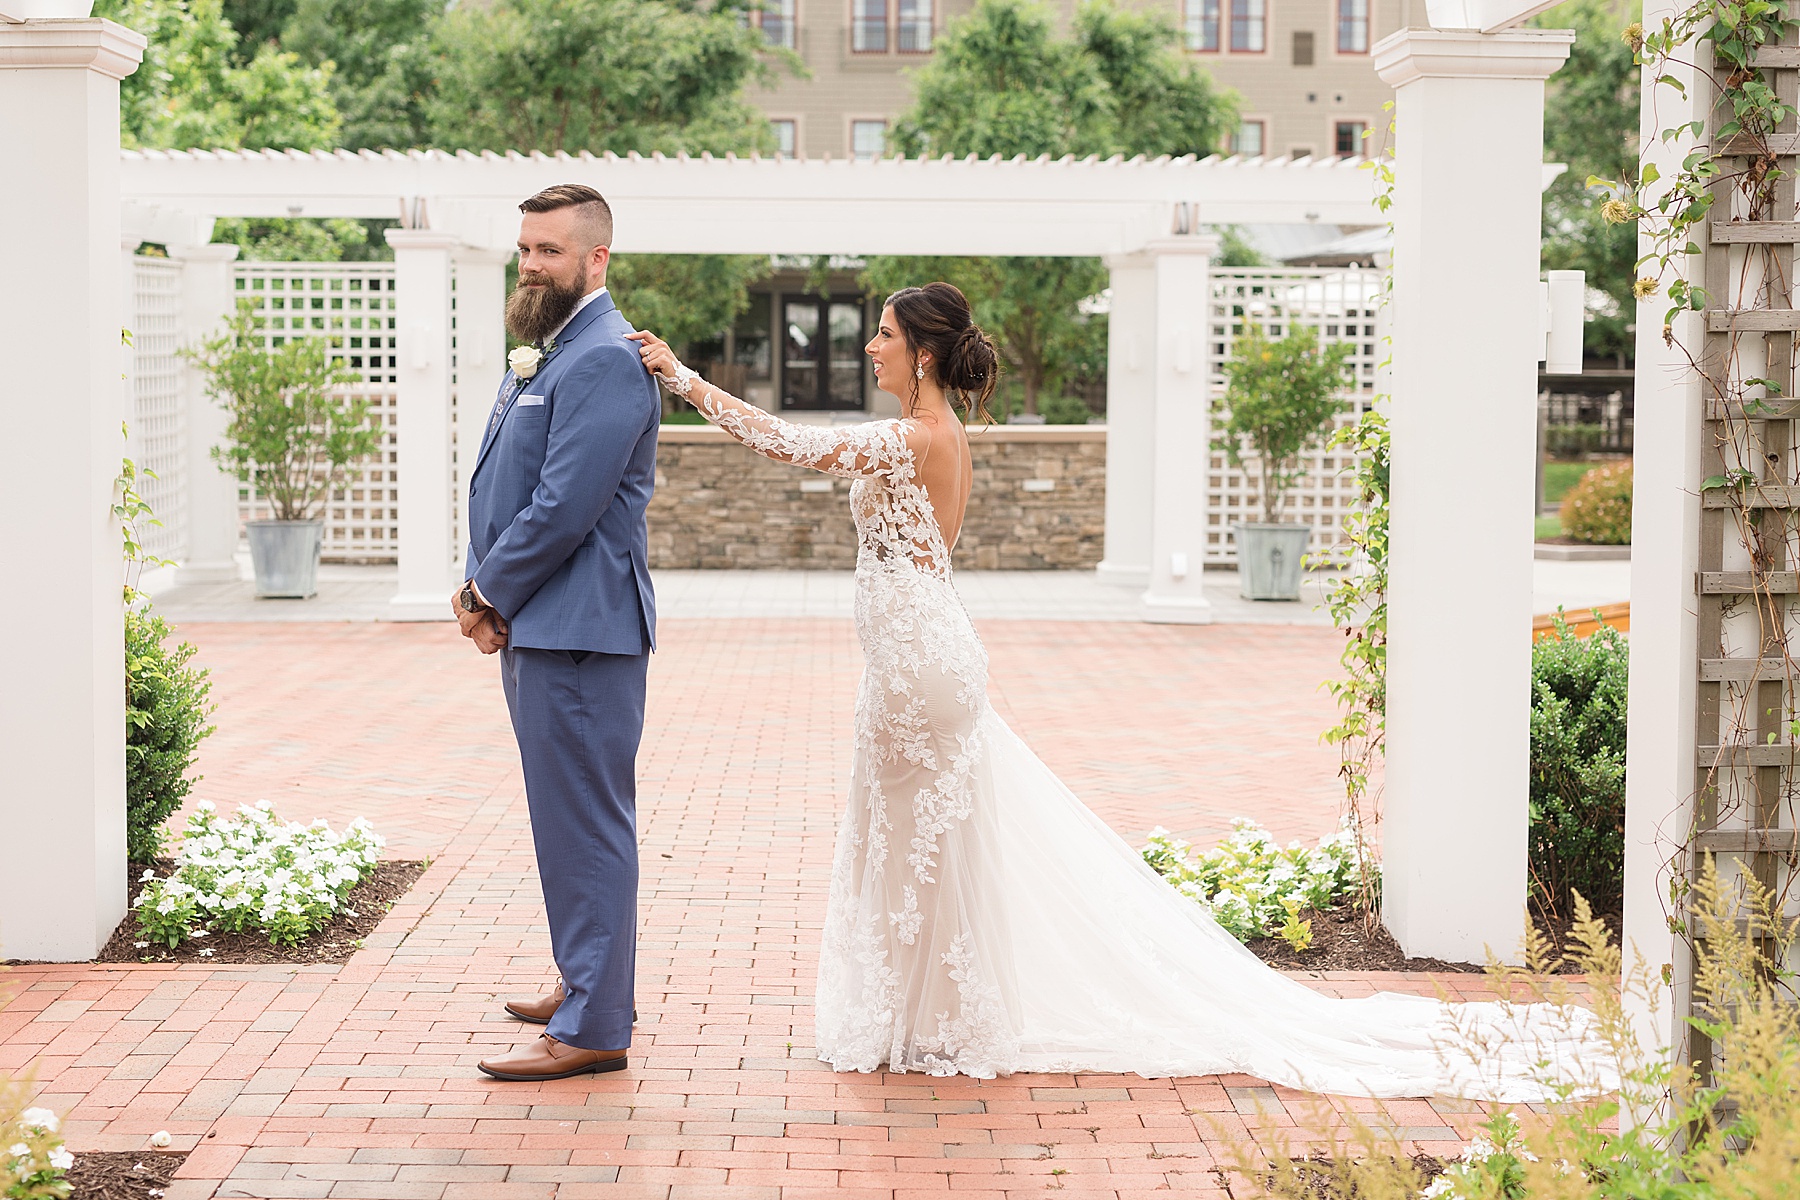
{"x":1038,"y":503}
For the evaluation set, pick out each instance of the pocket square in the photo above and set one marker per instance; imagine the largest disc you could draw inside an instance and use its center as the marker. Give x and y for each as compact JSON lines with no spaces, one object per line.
{"x":528,"y":401}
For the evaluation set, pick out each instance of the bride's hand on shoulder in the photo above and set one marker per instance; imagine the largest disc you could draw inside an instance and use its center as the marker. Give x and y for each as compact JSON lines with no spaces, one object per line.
{"x":658,"y":358}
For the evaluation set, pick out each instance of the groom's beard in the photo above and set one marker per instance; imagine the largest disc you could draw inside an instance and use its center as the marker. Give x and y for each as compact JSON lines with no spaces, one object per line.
{"x":534,"y":313}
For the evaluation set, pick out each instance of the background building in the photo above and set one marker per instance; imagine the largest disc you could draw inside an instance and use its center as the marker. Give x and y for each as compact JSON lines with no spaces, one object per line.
{"x":1301,"y":67}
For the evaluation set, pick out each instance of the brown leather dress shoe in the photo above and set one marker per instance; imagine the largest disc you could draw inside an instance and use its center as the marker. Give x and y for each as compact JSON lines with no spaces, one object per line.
{"x":548,"y":1058}
{"x":540,"y":1010}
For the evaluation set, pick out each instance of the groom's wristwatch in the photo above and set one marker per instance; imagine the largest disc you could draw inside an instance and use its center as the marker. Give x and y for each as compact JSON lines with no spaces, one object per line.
{"x":469,"y":600}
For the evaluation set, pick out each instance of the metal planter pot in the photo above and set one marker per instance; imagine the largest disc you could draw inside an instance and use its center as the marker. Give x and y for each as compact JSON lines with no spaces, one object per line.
{"x":1269,"y":560}
{"x":285,"y":555}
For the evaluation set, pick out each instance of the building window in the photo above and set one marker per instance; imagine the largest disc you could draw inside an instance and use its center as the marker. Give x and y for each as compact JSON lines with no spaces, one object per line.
{"x":1200,"y":25}
{"x":776,"y":19}
{"x":868,"y":139}
{"x":1248,"y":140}
{"x":869,"y":26}
{"x":915,"y":26}
{"x":1248,"y":18}
{"x":1349,"y":138}
{"x":1303,"y":48}
{"x":785,"y":137}
{"x":1301,"y":152}
{"x":1353,"y":26}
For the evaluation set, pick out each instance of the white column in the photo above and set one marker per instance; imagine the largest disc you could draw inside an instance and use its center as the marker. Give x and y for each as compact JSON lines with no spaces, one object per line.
{"x":480,"y":364}
{"x":1467,"y":334}
{"x":62,"y":711}
{"x":1130,"y":420}
{"x":422,"y":287}
{"x":1661,"y":735}
{"x":1183,"y":430}
{"x":212,"y":495}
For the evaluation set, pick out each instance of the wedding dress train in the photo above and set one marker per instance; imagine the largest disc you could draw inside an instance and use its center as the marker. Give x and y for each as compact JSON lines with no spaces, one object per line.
{"x":982,"y":921}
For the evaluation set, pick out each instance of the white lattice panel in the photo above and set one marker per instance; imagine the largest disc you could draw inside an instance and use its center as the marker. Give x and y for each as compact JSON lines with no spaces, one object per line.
{"x":158,"y":441}
{"x":1341,"y":304}
{"x":351,"y":305}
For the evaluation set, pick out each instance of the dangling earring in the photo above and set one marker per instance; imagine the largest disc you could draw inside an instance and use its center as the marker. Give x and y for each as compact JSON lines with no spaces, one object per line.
{"x":919,"y":371}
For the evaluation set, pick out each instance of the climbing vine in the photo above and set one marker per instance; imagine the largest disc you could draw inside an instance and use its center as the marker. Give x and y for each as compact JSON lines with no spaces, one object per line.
{"x":1357,"y":600}
{"x":1731,"y":174}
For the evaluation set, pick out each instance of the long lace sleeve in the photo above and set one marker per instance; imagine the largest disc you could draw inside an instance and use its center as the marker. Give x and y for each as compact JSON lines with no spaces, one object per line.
{"x":876,"y":449}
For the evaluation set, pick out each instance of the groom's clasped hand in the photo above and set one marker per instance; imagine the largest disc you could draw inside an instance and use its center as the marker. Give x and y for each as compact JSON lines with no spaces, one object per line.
{"x":480,"y":624}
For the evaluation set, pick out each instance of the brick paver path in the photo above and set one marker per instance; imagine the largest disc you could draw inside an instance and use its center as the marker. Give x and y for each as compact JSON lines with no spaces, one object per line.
{"x":360,"y":1081}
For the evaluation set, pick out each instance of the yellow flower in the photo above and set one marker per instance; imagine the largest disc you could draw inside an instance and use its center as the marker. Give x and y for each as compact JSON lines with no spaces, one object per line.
{"x":1615,"y":212}
{"x":1633,"y":36}
{"x":1645,"y":287}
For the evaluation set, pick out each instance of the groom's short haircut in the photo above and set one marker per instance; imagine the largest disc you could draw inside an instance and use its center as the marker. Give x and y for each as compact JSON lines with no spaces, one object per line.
{"x":592,"y":212}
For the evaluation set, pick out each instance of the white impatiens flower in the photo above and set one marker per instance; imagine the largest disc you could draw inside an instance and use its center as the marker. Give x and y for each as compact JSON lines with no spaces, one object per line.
{"x":61,"y":1159}
{"x":20,"y":1150}
{"x":40,"y":1119}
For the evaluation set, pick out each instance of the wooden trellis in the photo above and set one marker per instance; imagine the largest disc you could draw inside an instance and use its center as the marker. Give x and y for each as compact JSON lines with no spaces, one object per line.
{"x":1750,"y":494}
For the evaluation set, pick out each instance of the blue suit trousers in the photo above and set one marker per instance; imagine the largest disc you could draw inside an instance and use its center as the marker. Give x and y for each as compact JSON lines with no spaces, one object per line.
{"x":579,"y":716}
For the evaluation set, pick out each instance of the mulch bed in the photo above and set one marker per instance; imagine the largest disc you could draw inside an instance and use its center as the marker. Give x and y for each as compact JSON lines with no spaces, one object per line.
{"x":370,"y":900}
{"x":1317,"y":1168}
{"x":123,"y":1174}
{"x":1342,"y":943}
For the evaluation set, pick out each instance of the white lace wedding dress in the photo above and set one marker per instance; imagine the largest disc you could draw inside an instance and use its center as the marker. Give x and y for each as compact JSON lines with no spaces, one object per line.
{"x":983,"y":921}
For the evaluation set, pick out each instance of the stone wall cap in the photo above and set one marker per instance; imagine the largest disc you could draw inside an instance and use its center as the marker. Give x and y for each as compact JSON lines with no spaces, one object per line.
{"x":709,"y":435}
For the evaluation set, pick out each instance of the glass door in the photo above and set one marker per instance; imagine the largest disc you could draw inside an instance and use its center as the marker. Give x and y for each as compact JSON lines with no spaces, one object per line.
{"x":822,"y":353}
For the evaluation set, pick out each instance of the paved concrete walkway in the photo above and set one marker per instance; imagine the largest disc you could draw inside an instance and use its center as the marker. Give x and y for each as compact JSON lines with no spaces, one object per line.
{"x":355,"y":593}
{"x":359,"y":1081}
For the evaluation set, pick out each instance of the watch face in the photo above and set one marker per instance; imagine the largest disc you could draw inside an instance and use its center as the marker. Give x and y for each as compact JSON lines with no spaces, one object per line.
{"x":468,"y":599}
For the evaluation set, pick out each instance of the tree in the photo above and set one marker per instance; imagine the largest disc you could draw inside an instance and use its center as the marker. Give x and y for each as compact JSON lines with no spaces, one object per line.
{"x":618,"y":75}
{"x":1591,"y":123}
{"x":383,"y":68}
{"x":190,"y":93}
{"x":1028,"y":305}
{"x":295,"y":239}
{"x":685,"y":297}
{"x":1002,"y":82}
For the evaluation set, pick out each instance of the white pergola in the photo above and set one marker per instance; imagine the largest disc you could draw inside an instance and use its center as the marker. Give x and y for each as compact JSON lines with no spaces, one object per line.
{"x":1145,"y":217}
{"x":1468,"y":329}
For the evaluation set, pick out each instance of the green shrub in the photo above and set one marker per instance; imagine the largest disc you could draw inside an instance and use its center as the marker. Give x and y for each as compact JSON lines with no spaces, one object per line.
{"x":1598,"y":509}
{"x":1252,"y":886}
{"x":1572,"y":441}
{"x":1578,"y":768}
{"x":1064,"y":410}
{"x":165,"y":718}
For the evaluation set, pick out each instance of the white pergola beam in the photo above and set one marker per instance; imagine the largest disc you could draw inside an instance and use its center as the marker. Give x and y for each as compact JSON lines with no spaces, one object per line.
{"x":730,"y":205}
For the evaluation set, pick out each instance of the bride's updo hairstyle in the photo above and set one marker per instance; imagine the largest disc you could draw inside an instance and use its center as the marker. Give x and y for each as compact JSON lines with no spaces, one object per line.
{"x":936,"y":321}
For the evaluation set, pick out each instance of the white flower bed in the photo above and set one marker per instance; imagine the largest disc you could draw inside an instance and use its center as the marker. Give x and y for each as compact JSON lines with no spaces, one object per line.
{"x":34,"y":1158}
{"x":255,"y":872}
{"x":1252,"y":886}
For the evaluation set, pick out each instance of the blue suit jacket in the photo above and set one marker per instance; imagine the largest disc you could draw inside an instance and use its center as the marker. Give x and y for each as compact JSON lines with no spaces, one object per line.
{"x":557,"y":540}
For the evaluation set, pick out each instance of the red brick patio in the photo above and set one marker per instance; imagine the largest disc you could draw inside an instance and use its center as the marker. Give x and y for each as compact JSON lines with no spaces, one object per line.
{"x":359,"y":1081}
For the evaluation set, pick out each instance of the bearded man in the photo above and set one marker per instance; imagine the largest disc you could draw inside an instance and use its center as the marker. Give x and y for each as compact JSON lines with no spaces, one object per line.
{"x":558,"y":584}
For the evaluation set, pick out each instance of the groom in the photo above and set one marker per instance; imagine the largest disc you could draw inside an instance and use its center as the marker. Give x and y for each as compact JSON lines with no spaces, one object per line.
{"x":559,"y":585}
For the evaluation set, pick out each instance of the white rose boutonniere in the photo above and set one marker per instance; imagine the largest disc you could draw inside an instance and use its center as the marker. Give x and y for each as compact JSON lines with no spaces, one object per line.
{"x":525,"y":360}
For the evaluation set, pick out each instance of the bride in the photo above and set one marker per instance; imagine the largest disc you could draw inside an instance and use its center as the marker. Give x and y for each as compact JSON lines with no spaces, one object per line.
{"x":981,"y":919}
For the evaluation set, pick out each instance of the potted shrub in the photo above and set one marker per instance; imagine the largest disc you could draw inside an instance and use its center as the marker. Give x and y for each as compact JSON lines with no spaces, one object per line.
{"x":1279,"y":400}
{"x":292,"y":434}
